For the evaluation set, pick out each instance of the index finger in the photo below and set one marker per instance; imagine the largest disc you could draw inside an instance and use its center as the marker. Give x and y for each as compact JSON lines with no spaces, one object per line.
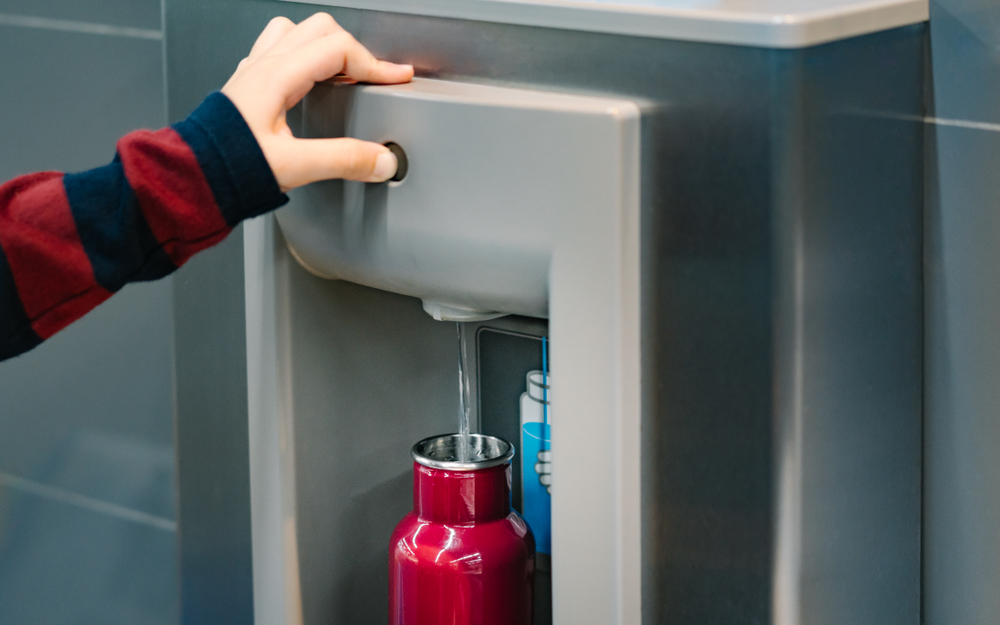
{"x":338,"y":53}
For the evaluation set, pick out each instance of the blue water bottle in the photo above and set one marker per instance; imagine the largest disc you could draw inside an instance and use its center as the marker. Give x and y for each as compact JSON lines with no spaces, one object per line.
{"x":536,"y":458}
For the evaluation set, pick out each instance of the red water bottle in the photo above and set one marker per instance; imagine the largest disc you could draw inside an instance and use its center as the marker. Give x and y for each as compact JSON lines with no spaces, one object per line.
{"x":462,"y":557}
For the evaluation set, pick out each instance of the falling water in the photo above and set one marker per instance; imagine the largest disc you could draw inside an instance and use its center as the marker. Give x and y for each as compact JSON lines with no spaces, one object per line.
{"x":464,"y":448}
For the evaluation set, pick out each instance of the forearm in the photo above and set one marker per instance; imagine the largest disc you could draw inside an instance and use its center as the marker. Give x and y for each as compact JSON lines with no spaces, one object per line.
{"x":68,"y":242}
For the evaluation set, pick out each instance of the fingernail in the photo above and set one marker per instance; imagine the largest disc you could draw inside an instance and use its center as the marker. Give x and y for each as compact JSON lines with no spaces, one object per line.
{"x":385,"y":166}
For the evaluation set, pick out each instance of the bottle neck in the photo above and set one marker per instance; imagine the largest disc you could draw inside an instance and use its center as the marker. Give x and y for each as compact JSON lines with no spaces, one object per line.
{"x":461,"y":497}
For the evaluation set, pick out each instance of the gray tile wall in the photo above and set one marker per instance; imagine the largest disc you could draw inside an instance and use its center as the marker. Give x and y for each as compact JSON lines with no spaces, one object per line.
{"x":87,"y":502}
{"x":962,"y":401}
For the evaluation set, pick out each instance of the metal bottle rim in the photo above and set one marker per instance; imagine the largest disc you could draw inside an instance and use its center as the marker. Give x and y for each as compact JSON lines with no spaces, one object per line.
{"x":433,"y":451}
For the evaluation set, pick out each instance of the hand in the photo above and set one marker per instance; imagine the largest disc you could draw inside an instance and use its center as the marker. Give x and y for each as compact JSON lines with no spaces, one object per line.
{"x":543,"y":468}
{"x":282,"y":67}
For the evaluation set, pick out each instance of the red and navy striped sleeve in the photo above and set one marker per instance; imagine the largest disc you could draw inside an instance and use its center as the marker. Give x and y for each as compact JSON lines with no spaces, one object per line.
{"x":70,"y":241}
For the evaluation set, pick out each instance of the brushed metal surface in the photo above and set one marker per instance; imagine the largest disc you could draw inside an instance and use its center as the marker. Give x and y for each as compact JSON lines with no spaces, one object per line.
{"x":781,"y":303}
{"x":962,"y":485}
{"x":550,"y":226}
{"x":764,"y":23}
{"x":213,"y":518}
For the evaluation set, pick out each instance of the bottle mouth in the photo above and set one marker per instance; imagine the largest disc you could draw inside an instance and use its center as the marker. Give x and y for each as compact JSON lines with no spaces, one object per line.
{"x":442,"y":452}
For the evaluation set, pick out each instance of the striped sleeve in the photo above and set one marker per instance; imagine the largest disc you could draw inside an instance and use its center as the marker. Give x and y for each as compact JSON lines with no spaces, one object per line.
{"x":68,"y":242}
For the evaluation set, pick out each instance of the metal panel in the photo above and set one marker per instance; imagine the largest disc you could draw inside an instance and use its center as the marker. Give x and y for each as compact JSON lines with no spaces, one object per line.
{"x":781,"y":299}
{"x":765,"y":23}
{"x":540,"y":217}
{"x":962,"y":486}
{"x":212,"y":440}
{"x":366,"y":374}
{"x":848,"y":358}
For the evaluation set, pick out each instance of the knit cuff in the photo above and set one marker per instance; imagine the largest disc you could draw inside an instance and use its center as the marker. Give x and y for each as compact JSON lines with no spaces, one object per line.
{"x":234,"y":165}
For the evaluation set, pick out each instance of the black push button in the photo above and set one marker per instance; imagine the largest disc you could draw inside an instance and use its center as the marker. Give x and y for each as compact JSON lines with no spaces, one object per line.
{"x":403,"y":165}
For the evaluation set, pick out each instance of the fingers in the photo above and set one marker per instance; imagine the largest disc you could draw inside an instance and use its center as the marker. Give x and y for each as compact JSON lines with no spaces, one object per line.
{"x":315,"y":27}
{"x":274,"y":31}
{"x":323,"y":159}
{"x":362,"y":66}
{"x":284,"y":64}
{"x":328,"y":56}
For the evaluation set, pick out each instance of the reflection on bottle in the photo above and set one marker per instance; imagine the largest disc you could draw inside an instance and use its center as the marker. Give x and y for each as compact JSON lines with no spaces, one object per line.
{"x":536,"y":458}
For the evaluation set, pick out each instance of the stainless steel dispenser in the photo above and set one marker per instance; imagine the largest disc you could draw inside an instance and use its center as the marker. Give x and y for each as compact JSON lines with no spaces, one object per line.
{"x":718,"y":211}
{"x":515,"y":202}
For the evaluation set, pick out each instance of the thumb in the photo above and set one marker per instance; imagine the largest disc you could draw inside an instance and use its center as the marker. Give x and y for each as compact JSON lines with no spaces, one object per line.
{"x":309,"y":160}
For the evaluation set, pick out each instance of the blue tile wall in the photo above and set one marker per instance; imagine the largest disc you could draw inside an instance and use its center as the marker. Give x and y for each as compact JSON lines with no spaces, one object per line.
{"x":87,"y":470}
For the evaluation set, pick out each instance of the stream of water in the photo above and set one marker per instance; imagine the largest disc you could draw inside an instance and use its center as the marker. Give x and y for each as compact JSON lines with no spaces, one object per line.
{"x":464,"y":451}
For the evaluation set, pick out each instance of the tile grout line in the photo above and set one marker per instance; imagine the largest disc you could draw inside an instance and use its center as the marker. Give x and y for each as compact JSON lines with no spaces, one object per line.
{"x":961,"y":123}
{"x":89,"y":503}
{"x":932,"y":121}
{"x":28,"y":21}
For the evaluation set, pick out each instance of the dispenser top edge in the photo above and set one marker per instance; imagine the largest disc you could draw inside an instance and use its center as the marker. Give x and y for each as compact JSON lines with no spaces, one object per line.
{"x":759,"y":23}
